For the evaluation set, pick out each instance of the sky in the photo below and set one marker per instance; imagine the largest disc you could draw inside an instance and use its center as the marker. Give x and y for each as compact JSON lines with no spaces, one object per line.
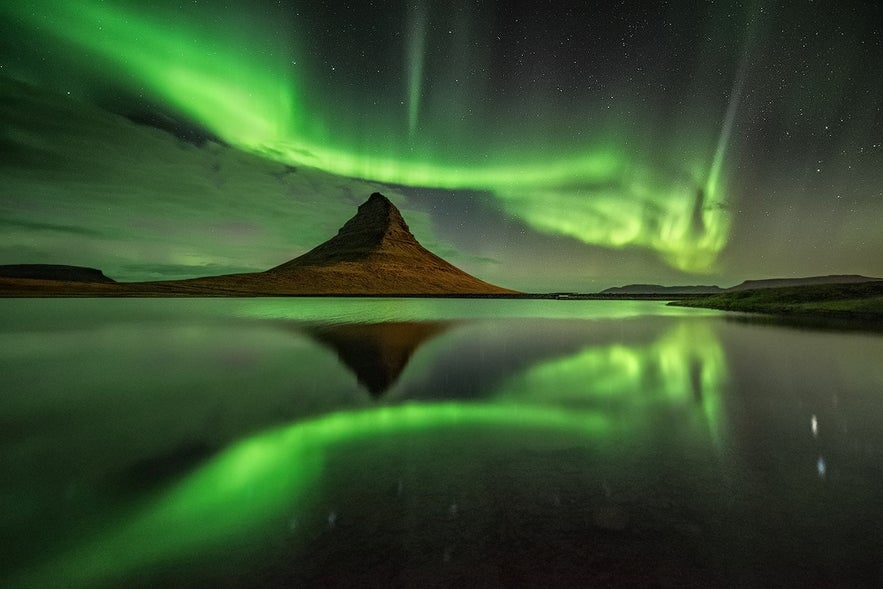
{"x":543,"y":146}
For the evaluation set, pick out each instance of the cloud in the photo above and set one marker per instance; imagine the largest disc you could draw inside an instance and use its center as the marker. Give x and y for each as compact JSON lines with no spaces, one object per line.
{"x":31,"y":226}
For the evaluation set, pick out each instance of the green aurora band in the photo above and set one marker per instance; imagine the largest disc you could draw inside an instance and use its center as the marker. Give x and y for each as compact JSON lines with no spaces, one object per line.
{"x":685,"y":366}
{"x":243,"y":491}
{"x":246,"y":92}
{"x":415,"y":54}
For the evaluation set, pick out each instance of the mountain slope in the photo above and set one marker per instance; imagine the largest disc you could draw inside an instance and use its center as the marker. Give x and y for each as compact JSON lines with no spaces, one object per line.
{"x":374,"y":253}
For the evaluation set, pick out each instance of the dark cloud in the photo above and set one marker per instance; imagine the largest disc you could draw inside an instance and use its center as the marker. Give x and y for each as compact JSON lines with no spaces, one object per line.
{"x":30,"y":226}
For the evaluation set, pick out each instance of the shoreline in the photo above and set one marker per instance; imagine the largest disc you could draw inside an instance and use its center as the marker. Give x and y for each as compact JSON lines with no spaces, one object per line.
{"x":856,"y":301}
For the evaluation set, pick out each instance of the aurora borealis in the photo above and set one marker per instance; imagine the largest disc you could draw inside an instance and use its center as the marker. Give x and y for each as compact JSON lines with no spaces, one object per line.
{"x":243,"y":490}
{"x":541,"y":147}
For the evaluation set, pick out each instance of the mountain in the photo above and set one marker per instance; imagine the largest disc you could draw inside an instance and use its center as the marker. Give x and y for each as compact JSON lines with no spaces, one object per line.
{"x":53,"y":272}
{"x":658,"y":289}
{"x":374,"y":253}
{"x":819,"y":301}
{"x":633,"y":289}
{"x":778,"y":282}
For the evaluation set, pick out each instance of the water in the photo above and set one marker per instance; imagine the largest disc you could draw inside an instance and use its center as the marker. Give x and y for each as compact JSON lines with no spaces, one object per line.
{"x":421,"y":442}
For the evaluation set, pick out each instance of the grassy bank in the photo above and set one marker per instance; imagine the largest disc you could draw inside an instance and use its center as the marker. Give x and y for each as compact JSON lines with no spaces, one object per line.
{"x":860,"y":300}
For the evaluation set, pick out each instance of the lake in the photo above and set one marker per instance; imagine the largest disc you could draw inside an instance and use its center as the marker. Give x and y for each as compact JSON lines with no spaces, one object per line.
{"x":425,"y":442}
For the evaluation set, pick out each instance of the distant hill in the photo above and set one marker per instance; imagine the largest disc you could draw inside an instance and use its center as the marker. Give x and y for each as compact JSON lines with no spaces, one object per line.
{"x":54,"y":272}
{"x":647,"y":289}
{"x":634,"y":289}
{"x":779,"y":282}
{"x":374,"y":253}
{"x":846,"y":300}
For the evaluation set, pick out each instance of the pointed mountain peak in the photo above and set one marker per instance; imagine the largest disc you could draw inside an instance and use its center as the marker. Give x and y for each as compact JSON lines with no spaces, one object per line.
{"x":377,"y":226}
{"x":376,"y":204}
{"x":379,"y":218}
{"x":377,"y":198}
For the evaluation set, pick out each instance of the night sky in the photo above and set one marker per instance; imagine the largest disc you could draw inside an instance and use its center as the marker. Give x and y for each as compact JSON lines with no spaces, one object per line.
{"x":543,"y":146}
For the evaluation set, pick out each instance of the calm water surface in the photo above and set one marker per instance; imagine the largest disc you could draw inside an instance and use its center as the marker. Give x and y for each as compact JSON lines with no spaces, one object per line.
{"x":420,"y":443}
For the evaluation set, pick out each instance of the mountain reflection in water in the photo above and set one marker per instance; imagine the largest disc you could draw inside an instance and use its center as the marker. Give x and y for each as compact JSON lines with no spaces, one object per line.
{"x":377,"y":353}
